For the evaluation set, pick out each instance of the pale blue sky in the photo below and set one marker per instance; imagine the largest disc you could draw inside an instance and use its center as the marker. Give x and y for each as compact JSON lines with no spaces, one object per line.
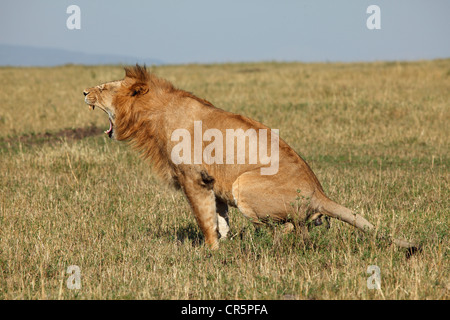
{"x":201,"y":31}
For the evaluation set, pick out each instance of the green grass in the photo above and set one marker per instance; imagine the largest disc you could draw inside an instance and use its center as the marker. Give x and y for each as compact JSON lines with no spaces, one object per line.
{"x":376,"y":135}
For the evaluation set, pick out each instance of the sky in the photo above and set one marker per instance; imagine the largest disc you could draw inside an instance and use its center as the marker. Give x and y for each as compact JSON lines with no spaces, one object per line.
{"x":210,"y":31}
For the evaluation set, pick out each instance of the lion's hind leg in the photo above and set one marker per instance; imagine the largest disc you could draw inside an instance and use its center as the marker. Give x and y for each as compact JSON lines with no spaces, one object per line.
{"x":261,"y":199}
{"x":223,"y":223}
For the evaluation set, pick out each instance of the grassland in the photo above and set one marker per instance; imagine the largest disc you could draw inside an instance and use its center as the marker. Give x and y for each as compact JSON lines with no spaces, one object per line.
{"x":376,"y":135}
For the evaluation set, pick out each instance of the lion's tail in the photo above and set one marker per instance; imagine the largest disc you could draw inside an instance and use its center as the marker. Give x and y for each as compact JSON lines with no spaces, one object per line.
{"x":332,"y":209}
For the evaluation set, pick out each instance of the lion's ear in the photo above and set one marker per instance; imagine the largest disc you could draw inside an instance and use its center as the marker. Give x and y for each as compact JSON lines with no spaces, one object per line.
{"x":138,"y":89}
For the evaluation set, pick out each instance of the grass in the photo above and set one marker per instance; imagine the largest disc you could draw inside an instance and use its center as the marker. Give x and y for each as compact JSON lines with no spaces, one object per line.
{"x":376,"y":135}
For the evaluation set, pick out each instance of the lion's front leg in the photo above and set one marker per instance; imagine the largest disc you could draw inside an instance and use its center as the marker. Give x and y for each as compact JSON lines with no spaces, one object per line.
{"x":198,"y":188}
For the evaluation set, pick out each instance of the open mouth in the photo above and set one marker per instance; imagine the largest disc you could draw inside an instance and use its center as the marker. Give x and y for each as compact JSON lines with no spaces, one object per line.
{"x":109,"y":132}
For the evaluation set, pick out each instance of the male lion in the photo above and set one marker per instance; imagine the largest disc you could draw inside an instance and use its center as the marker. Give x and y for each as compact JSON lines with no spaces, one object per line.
{"x":147,"y":110}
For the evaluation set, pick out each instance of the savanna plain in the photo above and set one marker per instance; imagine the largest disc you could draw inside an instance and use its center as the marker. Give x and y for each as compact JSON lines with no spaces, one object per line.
{"x":376,"y":135}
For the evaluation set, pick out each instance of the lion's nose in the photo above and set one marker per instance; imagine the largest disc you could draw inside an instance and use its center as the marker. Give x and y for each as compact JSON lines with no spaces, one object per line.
{"x":85,"y":92}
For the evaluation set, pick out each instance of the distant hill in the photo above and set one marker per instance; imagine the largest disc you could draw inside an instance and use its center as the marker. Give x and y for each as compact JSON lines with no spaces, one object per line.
{"x":46,"y":57}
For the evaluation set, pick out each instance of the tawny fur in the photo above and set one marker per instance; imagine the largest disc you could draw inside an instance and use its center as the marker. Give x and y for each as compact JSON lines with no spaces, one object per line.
{"x":145,"y":110}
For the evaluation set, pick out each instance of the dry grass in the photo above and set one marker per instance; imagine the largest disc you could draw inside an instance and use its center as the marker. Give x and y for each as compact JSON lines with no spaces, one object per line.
{"x":375,"y":134}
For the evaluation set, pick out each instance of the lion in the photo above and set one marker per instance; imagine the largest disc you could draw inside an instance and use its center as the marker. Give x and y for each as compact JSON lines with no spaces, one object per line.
{"x":146,"y":111}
